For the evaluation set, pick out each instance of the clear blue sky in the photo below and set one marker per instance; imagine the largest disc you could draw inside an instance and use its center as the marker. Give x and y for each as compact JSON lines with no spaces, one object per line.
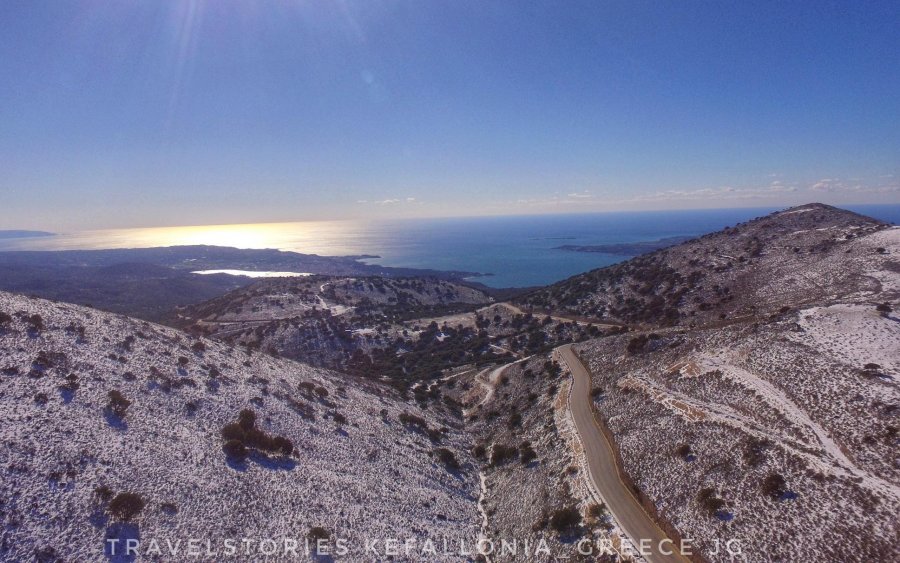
{"x":142,"y":113}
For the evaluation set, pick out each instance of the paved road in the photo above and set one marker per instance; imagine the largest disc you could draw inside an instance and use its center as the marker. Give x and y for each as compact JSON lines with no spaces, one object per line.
{"x":602,"y":468}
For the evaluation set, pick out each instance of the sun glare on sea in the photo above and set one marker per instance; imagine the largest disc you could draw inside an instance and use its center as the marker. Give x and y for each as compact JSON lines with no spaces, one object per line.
{"x":239,"y":236}
{"x":313,"y":237}
{"x":305,"y":235}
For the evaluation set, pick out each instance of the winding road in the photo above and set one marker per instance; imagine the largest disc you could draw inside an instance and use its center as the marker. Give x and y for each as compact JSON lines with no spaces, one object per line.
{"x":604,"y":474}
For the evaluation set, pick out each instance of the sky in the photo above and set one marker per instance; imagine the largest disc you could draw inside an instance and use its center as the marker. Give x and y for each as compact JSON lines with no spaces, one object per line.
{"x":145,"y":113}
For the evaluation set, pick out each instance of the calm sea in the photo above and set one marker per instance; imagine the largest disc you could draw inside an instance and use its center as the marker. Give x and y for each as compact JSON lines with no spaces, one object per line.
{"x":517,"y":251}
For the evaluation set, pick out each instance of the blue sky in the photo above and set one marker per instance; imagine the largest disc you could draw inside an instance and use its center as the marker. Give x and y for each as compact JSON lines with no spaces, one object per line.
{"x":142,"y":113}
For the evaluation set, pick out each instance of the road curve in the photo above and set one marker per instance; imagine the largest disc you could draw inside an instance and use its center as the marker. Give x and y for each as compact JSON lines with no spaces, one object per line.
{"x":603,"y":473}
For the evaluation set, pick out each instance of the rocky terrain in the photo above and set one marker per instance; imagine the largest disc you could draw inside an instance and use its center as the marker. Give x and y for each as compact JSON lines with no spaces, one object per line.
{"x":121,"y":429}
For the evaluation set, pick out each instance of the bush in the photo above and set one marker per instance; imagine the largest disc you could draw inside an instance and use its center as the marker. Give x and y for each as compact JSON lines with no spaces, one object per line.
{"x":683,"y":451}
{"x":479,"y":451}
{"x":755,"y":451}
{"x":103,"y":492}
{"x":118,"y":404}
{"x":448,"y":458}
{"x":283,"y":445}
{"x":198,"y":347}
{"x":597,"y":511}
{"x":774,"y":486}
{"x":565,"y":520}
{"x":884,"y":308}
{"x":317,"y":533}
{"x":35,"y":322}
{"x":125,"y":506}
{"x":5,"y":318}
{"x":708,"y":499}
{"x":527,"y":453}
{"x":636,"y":344}
{"x":245,"y":433}
{"x":412,"y":420}
{"x":501,"y":453}
{"x":247,"y":419}
{"x":233,"y":431}
{"x":235,"y":450}
{"x":339,"y":418}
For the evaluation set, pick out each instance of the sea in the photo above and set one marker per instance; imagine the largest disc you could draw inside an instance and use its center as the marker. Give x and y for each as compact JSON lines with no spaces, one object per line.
{"x":506,"y":251}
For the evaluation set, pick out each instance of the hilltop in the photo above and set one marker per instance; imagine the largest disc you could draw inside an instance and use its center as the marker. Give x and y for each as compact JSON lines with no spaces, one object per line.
{"x":808,"y":254}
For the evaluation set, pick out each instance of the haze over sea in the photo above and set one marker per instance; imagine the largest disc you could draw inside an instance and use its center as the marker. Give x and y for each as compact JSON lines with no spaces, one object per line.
{"x":517,"y":251}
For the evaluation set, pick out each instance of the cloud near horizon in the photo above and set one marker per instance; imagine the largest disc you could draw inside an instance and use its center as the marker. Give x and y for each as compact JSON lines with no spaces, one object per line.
{"x":776,"y":192}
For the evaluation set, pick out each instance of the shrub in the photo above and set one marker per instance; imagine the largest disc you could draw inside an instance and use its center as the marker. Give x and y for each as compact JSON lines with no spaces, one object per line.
{"x":412,"y":420}
{"x":683,"y":451}
{"x":245,"y":433}
{"x":233,"y":431}
{"x":283,"y":445}
{"x":773,"y":486}
{"x":103,"y":492}
{"x":527,"y":453}
{"x":247,"y":419}
{"x":565,"y":520}
{"x":339,"y":418}
{"x":502,"y":453}
{"x":755,"y":451}
{"x":317,"y":533}
{"x":515,"y":420}
{"x":5,"y":318}
{"x":448,"y":458}
{"x":198,"y":347}
{"x":235,"y":450}
{"x":125,"y":506}
{"x":35,"y":322}
{"x":597,"y":511}
{"x":884,"y":308}
{"x":479,"y":451}
{"x":708,"y":500}
{"x":636,"y":344}
{"x":118,"y":404}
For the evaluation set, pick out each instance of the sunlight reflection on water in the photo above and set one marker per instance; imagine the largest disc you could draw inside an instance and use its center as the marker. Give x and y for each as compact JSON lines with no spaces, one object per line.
{"x":311,"y":237}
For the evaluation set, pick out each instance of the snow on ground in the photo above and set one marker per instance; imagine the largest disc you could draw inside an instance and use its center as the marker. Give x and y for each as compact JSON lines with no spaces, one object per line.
{"x":254,"y":273}
{"x":773,"y":403}
{"x":369,"y":476}
{"x":855,"y":335}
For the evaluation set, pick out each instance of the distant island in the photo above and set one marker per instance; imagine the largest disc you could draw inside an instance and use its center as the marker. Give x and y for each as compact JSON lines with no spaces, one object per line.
{"x":627,"y":248}
{"x":24,"y":234}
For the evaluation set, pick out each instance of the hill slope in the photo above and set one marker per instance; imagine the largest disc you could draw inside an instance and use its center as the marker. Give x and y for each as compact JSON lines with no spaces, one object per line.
{"x":756,"y":399}
{"x":808,"y":254}
{"x":96,"y":405}
{"x":338,"y":322}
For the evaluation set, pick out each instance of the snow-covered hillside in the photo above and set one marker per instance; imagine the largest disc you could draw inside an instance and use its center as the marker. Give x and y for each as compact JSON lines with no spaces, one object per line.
{"x":96,"y":405}
{"x":775,"y":425}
